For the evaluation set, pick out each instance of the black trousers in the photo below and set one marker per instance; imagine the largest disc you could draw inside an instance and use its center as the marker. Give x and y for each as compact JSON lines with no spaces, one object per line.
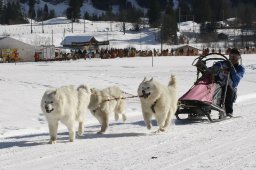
{"x":230,"y":99}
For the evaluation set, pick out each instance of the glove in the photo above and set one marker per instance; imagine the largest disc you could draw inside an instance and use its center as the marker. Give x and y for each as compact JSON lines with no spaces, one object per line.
{"x":201,"y":65}
{"x":229,"y":64}
{"x":213,"y":70}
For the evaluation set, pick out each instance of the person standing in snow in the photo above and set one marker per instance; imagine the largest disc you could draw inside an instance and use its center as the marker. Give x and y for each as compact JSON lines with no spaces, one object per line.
{"x":236,"y":72}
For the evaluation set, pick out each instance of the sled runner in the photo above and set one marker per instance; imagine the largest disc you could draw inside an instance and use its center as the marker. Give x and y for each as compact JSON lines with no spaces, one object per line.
{"x":207,"y":96}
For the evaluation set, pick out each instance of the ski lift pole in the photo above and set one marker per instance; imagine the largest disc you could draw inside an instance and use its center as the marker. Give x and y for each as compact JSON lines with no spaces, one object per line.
{"x":152,"y":60}
{"x":52,"y":37}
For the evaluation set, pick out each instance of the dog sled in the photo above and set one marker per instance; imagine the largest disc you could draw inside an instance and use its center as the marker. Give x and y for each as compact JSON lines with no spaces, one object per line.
{"x":206,"y":98}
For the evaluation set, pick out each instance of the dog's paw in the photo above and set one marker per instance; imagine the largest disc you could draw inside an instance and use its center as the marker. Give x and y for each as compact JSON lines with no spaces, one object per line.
{"x":116,"y":116}
{"x":100,"y":132}
{"x":160,"y":130}
{"x":52,"y":142}
{"x":156,"y":132}
{"x":80,"y":133}
{"x":124,"y":117}
{"x":71,"y":140}
{"x":149,"y":126}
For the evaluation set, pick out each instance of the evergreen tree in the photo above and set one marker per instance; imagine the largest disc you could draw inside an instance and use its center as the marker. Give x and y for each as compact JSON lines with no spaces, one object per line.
{"x":45,"y":12}
{"x":73,"y":11}
{"x":95,"y":17}
{"x":218,"y":8}
{"x":201,"y":10}
{"x":52,"y":14}
{"x":39,"y":14}
{"x":4,"y":15}
{"x":1,"y":6}
{"x":123,"y":16}
{"x":130,"y":14}
{"x":162,"y":3}
{"x":11,"y":14}
{"x":246,"y":12}
{"x":143,"y":3}
{"x":154,"y":13}
{"x":18,"y":15}
{"x":1,"y":11}
{"x":23,"y":1}
{"x":169,"y":27}
{"x":184,"y":7}
{"x":87,"y":16}
{"x":31,"y":11}
{"x":8,"y":15}
{"x":108,"y":16}
{"x":134,"y":14}
{"x":101,"y":4}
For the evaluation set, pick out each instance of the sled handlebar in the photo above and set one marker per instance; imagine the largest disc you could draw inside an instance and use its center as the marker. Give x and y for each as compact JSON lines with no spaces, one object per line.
{"x":203,"y":59}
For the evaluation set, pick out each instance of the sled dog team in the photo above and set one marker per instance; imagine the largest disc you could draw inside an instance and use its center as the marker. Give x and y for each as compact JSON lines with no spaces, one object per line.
{"x":70,"y":105}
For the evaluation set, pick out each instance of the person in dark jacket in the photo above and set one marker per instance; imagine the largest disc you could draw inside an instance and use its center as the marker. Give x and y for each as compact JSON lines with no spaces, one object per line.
{"x":236,"y":73}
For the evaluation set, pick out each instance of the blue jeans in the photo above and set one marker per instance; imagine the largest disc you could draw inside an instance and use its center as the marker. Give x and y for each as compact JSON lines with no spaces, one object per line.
{"x":230,"y":99}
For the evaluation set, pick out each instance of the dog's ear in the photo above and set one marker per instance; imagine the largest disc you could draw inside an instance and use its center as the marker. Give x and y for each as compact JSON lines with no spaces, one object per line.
{"x":84,"y":87}
{"x":54,"y":92}
{"x":51,"y":92}
{"x":145,"y":78}
{"x":92,"y":90}
{"x":151,"y":79}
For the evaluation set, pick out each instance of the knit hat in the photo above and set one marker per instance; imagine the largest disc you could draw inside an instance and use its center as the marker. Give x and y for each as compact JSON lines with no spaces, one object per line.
{"x":234,"y":51}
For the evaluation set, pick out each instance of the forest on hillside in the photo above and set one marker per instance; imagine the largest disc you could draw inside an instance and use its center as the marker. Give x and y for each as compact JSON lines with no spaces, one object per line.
{"x":163,"y":14}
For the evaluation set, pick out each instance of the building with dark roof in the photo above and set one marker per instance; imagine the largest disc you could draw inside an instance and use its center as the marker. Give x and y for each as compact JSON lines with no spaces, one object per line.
{"x":82,"y":42}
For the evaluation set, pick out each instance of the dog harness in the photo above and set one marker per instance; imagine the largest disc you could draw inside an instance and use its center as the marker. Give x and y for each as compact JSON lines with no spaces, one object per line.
{"x":153,"y":106}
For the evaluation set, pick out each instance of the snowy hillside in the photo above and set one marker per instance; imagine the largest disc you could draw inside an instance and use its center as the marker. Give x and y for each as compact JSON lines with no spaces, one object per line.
{"x":56,"y":29}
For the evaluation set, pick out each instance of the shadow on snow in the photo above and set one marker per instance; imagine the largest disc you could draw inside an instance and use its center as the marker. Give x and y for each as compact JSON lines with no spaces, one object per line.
{"x":63,"y":137}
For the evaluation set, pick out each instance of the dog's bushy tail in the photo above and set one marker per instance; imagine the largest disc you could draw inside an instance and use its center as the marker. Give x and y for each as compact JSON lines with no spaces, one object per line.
{"x":172,"y":81}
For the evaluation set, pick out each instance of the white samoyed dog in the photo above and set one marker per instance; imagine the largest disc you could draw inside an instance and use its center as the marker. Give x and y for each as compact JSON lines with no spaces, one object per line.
{"x":159,"y":101}
{"x":66,"y":104}
{"x":104,"y":102}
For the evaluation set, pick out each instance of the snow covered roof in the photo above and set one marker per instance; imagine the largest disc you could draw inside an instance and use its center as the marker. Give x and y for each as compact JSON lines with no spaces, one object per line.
{"x":9,"y":42}
{"x":70,"y":40}
{"x":184,"y":46}
{"x":81,"y":41}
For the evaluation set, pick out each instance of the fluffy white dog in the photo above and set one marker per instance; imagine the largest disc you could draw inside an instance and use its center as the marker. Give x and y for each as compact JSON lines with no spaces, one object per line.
{"x":104,"y":102}
{"x":159,"y":101}
{"x":67,"y":105}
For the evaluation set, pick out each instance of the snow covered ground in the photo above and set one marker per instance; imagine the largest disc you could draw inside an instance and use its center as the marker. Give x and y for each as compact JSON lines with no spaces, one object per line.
{"x":229,"y":144}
